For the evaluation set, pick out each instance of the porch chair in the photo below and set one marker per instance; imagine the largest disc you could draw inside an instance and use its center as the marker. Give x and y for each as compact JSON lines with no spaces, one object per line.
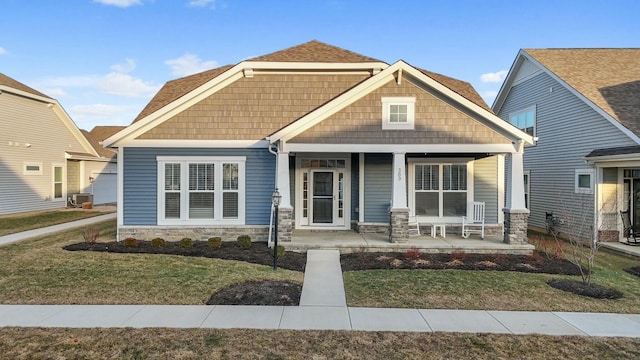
{"x":414,"y":226}
{"x":475,"y":224}
{"x":628,"y":228}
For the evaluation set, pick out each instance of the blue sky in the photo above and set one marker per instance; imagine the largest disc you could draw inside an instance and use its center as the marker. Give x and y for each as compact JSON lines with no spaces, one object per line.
{"x":104,"y":59}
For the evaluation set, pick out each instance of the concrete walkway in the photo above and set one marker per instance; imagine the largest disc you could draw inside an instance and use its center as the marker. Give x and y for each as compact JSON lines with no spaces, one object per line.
{"x":322,"y":307}
{"x":11,"y":238}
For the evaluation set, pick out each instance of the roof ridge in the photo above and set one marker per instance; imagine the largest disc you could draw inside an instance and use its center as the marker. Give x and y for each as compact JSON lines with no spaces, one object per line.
{"x":15,"y":84}
{"x":315,"y":51}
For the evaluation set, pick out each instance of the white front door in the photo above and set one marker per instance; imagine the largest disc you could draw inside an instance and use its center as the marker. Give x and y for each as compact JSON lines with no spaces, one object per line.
{"x":322,"y":194}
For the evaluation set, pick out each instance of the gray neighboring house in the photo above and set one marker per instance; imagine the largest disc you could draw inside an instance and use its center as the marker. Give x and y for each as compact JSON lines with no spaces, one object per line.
{"x":44,"y":158}
{"x":583,"y":108}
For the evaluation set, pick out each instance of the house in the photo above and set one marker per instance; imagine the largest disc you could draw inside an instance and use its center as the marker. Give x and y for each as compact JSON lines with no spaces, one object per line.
{"x":42,"y":152}
{"x":583,"y":108}
{"x":350,"y":142}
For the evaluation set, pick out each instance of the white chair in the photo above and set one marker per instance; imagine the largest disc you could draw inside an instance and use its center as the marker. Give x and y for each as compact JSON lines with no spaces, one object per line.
{"x":475,"y":224}
{"x":414,"y":226}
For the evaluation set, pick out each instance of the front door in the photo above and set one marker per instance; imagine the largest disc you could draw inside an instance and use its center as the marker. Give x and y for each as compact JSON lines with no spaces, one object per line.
{"x":323,"y":204}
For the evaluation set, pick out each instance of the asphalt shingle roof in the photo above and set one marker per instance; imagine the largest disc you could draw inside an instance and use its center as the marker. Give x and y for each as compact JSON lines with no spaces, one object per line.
{"x":12,"y":83}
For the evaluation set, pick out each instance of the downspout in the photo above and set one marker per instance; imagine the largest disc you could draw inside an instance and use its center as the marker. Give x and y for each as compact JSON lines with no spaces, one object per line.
{"x":275,"y":153}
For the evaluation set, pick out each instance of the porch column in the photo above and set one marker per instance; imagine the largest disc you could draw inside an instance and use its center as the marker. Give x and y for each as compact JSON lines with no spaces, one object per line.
{"x":285,"y":210}
{"x":399,"y":217}
{"x":516,"y":215}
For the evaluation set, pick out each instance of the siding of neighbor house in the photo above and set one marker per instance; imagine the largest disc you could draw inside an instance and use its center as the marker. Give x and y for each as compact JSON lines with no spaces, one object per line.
{"x":568,"y":129}
{"x":73,"y":177}
{"x":28,"y":121}
{"x":485,"y":186}
{"x":140,"y":182}
{"x":377,"y":187}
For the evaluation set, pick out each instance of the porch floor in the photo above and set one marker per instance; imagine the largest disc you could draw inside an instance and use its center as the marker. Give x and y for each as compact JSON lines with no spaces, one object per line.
{"x":349,"y":241}
{"x":632,"y":250}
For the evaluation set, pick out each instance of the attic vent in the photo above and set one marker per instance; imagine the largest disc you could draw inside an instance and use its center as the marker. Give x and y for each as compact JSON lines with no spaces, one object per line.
{"x":248,"y":73}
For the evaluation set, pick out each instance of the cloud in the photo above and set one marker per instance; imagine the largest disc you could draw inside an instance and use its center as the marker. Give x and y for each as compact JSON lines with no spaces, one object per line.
{"x":88,"y":116}
{"x":202,"y":3}
{"x":125,"y":85}
{"x":119,"y":3}
{"x":489,"y":96}
{"x":189,"y":64}
{"x":55,"y":92}
{"x":127,"y":67}
{"x":494,"y":77}
{"x":2,"y":51}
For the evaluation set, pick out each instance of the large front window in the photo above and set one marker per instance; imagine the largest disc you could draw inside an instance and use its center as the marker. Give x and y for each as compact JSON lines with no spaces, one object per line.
{"x":201,"y":190}
{"x":440,"y":190}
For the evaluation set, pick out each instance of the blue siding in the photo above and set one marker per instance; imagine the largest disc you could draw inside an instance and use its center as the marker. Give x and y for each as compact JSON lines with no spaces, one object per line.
{"x":378,"y":188}
{"x":140,"y":182}
{"x":568,"y":129}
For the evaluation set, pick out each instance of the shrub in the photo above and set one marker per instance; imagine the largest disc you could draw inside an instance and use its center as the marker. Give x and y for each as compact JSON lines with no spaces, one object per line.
{"x":157,"y":242}
{"x":279,"y":252}
{"x":459,"y":255}
{"x":130,"y":242}
{"x":244,"y":242}
{"x":186,"y":243}
{"x":413,"y":254}
{"x":499,"y":258}
{"x":90,"y":235}
{"x":535,"y":256}
{"x":215,"y":242}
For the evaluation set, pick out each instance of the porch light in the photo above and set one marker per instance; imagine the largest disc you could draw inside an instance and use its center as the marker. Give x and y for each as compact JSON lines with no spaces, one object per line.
{"x":275,"y":199}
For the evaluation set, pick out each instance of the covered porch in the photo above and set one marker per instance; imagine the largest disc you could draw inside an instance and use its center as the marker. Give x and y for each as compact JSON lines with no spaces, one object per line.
{"x":351,"y":241}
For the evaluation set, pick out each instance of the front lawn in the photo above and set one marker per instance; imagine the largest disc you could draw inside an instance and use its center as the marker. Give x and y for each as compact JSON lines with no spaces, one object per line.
{"x":11,"y":224}
{"x":491,"y":290}
{"x":39,"y":271}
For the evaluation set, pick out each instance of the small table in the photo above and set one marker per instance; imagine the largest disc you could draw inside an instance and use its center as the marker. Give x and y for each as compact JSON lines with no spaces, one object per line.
{"x":442,"y":227}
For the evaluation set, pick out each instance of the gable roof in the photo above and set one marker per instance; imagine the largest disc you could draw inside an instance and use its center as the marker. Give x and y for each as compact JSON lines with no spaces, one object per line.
{"x":99,"y":133}
{"x":315,"y":51}
{"x":608,"y":79}
{"x":15,"y":84}
{"x":462,"y":88}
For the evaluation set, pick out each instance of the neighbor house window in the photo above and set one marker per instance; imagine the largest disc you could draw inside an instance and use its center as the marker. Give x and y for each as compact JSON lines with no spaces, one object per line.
{"x":58,"y":182}
{"x":440,"y":190}
{"x":201,"y":190}
{"x":584,"y":179}
{"x":527,"y":187}
{"x":525,"y":120}
{"x":32,"y":168}
{"x":398,"y":113}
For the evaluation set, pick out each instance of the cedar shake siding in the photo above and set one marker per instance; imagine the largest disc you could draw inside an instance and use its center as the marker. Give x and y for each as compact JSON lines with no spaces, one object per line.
{"x":437,"y":121}
{"x":253,"y":108}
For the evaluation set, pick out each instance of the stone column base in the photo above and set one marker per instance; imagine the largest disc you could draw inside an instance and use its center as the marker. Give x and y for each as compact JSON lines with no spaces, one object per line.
{"x":515,"y":226}
{"x":285,"y":224}
{"x":399,"y":225}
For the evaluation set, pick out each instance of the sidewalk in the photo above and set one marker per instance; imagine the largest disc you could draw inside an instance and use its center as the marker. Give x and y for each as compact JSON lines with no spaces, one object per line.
{"x":322,"y":307}
{"x":11,"y":238}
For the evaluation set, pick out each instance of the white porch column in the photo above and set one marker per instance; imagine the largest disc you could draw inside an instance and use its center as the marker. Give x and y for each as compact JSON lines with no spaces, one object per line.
{"x":515,"y":198}
{"x":399,"y":182}
{"x":283,"y":179}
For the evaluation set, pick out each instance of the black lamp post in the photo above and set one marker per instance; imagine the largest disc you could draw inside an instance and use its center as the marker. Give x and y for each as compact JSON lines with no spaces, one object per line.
{"x":275,"y":199}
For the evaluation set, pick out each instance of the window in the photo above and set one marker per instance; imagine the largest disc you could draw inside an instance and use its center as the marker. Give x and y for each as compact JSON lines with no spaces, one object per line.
{"x":525,"y":120}
{"x":440,"y":190}
{"x":527,"y":187}
{"x":32,"y":168}
{"x":58,"y":182}
{"x":584,"y":181}
{"x":398,"y":113}
{"x":200,"y":190}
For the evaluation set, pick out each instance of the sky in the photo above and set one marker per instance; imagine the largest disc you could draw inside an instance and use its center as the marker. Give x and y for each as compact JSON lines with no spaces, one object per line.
{"x":103,"y":60}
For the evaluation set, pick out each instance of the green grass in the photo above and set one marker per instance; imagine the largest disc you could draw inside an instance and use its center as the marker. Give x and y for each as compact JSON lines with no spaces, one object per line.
{"x":491,"y":290}
{"x":17,"y":223}
{"x":38,"y":343}
{"x":39,"y":271}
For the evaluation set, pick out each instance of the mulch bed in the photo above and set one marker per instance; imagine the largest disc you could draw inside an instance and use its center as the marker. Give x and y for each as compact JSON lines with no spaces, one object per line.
{"x":580,"y":288}
{"x":259,"y":253}
{"x":634,"y":271}
{"x":536,"y":263}
{"x":265,"y":292}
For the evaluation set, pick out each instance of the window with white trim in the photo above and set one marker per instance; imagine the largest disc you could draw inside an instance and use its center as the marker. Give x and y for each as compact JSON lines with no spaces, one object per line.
{"x":584,"y":179}
{"x":440,"y":190}
{"x":525,"y":120}
{"x":58,"y":182}
{"x":32,"y":168}
{"x":527,"y":187}
{"x":201,"y":190}
{"x":398,"y":113}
